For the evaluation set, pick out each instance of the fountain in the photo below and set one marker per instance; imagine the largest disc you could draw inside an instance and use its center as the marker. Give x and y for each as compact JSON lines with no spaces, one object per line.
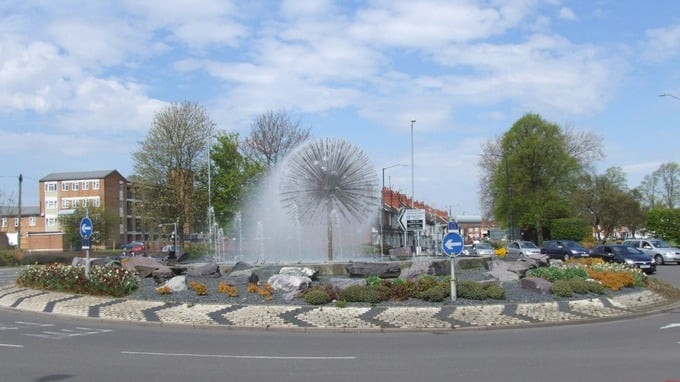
{"x":313,"y":203}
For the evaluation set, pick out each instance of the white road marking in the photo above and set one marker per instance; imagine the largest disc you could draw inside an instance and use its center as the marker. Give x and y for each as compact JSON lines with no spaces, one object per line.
{"x":11,"y":346}
{"x":236,"y":356}
{"x":670,"y":326}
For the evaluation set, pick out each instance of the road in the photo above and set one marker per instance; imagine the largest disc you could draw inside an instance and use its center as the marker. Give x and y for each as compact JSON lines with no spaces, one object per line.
{"x":53,"y":348}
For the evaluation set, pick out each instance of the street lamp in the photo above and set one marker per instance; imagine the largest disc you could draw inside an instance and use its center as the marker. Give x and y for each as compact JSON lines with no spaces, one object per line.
{"x":669,"y":95}
{"x":382,"y":204}
{"x":413,"y":188}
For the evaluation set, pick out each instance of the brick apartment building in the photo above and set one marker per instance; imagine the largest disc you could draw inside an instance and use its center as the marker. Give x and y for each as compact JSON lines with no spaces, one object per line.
{"x":61,"y":194}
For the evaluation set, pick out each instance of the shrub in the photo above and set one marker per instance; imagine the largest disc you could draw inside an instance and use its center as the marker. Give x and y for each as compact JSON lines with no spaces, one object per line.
{"x":373,"y":280}
{"x":102,"y":281}
{"x":562,"y":288}
{"x":595,"y":287}
{"x":579,"y":285}
{"x":575,"y":272}
{"x":548,"y":273}
{"x":426,"y":282}
{"x":495,"y":292}
{"x":614,"y":280}
{"x":359,"y":293}
{"x":471,"y":290}
{"x":435,"y":294}
{"x":200,"y":288}
{"x":227,"y":289}
{"x":317,"y":296}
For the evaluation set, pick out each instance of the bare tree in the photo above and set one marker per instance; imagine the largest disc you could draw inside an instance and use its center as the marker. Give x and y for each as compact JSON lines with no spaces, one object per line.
{"x":174,"y":151}
{"x":669,"y":177}
{"x":583,"y":145}
{"x":273,"y":135}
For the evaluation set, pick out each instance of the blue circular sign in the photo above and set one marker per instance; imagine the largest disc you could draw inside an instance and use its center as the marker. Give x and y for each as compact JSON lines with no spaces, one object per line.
{"x":85,"y":228}
{"x":452,"y":244}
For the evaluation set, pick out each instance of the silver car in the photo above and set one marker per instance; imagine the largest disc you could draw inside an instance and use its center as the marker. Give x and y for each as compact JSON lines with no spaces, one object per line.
{"x":522,"y":248}
{"x":483,"y":249}
{"x":661,"y":251}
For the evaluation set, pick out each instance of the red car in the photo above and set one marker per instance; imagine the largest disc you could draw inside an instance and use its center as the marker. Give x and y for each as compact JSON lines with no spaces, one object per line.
{"x":134,"y":248}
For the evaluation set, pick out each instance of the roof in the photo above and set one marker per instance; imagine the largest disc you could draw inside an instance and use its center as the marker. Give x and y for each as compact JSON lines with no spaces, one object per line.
{"x":79,"y":175}
{"x":25,"y":211}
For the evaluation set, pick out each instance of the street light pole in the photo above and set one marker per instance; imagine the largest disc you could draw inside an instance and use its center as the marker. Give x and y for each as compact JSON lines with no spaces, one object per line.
{"x":669,"y":95}
{"x":413,"y":188}
{"x":382,"y":206}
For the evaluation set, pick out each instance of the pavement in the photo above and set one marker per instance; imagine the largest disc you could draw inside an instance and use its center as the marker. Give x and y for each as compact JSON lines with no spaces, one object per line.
{"x":331,"y":318}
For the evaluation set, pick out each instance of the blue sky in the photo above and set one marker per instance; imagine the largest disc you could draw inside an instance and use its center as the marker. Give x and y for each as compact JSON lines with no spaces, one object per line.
{"x":80,"y":81}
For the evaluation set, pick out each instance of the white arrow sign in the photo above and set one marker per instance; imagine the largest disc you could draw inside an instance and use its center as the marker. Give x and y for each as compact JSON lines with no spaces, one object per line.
{"x":450,"y":244}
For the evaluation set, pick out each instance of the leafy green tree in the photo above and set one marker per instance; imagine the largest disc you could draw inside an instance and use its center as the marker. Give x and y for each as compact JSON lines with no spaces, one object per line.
{"x":103,"y":222}
{"x":233,"y":177}
{"x":539,"y":171}
{"x":174,"y":151}
{"x":571,"y":229}
{"x":665,"y":223}
{"x":606,"y":201}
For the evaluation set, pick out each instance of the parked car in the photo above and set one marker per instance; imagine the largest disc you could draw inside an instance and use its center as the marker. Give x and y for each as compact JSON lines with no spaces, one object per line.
{"x":483,"y":249}
{"x":522,"y":248}
{"x":467,"y":250}
{"x":563,"y":249}
{"x":660,"y":250}
{"x":134,"y":248}
{"x":625,"y":254}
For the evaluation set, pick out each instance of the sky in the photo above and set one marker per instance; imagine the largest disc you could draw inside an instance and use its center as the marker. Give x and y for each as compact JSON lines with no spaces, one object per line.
{"x":80,"y":81}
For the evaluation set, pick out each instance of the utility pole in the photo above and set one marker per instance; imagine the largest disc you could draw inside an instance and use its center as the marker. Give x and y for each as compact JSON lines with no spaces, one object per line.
{"x":21,"y":179}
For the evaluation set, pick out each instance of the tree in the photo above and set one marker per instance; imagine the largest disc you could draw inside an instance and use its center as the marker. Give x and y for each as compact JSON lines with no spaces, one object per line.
{"x":102,"y":221}
{"x":665,"y":223}
{"x":233,"y":175}
{"x":174,"y":151}
{"x":662,"y":187}
{"x":606,"y":201}
{"x":533,"y":174}
{"x":273,"y":135}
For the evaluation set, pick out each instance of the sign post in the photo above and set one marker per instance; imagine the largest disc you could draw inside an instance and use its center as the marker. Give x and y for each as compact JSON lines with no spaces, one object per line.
{"x":85,"y":234}
{"x":412,"y":220}
{"x":452,"y":245}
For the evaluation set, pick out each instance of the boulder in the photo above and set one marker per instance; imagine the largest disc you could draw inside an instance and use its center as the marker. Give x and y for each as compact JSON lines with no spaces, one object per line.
{"x":264,"y":272}
{"x":342,"y":283}
{"x":536,"y":284}
{"x":175,"y":284}
{"x":366,"y":269}
{"x":241,"y":265}
{"x":204,"y":270}
{"x":287,"y":283}
{"x":300,"y":271}
{"x":146,"y":267}
{"x":242,"y":277}
{"x":426,"y":267}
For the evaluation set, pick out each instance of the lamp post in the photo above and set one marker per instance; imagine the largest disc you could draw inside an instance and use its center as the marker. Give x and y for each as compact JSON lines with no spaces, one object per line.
{"x":669,"y":95}
{"x":382,"y":205}
{"x":413,"y":189}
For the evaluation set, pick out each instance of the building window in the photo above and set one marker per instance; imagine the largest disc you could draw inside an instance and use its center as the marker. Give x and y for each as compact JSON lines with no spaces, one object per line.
{"x":85,"y":203}
{"x":16,"y":222}
{"x":76,"y":203}
{"x":51,"y":186}
{"x":3,"y":222}
{"x":64,"y":186}
{"x":95,"y":202}
{"x":75,"y":186}
{"x":95,"y":184}
{"x":86,"y":185}
{"x":64,"y":203}
{"x":50,"y":204}
{"x":32,"y":221}
{"x":50,"y":222}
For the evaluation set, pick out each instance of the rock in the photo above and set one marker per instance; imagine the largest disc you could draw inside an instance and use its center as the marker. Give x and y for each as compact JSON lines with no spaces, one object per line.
{"x":400,"y":252}
{"x":175,"y":284}
{"x":242,"y":277}
{"x":204,"y":270}
{"x":426,"y":267}
{"x":264,"y":272}
{"x":342,"y":283}
{"x":536,"y":284}
{"x":300,"y":271}
{"x":366,"y":269}
{"x":286,"y":283}
{"x":147,"y":266}
{"x":242,"y":265}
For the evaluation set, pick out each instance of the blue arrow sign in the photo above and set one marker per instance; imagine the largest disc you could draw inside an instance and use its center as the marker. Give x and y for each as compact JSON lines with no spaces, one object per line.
{"x":86,"y":227}
{"x":452,"y":244}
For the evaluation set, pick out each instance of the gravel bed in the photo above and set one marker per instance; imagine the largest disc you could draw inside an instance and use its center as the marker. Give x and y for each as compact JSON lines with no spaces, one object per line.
{"x":513,"y":293}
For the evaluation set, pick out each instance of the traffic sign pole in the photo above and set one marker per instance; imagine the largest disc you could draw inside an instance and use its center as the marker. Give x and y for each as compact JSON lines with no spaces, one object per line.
{"x":452,"y":244}
{"x":86,"y":229}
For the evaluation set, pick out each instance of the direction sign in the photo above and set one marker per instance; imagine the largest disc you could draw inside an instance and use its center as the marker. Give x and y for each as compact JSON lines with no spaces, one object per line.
{"x":452,"y":244}
{"x":453,"y":226}
{"x":86,"y":227}
{"x":412,"y":220}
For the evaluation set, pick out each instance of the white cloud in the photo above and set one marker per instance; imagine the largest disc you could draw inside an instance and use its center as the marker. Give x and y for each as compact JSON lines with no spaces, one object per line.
{"x":567,"y":14}
{"x":662,"y":43}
